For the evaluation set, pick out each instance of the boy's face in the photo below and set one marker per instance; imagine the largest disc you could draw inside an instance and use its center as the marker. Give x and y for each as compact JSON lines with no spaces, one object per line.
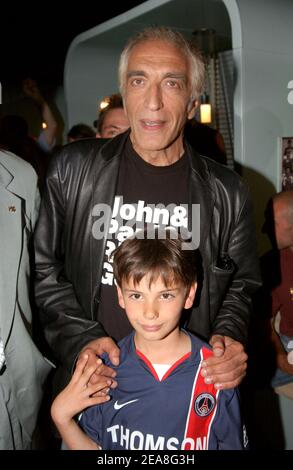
{"x":154,"y":311}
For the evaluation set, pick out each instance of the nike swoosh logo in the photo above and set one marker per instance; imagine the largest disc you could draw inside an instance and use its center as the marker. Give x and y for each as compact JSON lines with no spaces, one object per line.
{"x":117,"y":406}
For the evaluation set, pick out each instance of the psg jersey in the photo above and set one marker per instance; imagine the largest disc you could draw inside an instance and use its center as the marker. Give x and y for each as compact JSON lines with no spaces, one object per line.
{"x":179,"y":412}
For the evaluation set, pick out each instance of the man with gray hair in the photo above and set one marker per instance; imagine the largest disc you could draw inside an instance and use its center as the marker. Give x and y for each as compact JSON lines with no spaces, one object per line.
{"x":148,"y":175}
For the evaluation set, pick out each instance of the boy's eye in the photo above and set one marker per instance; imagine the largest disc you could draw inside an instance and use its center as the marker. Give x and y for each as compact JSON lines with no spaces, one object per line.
{"x":167,"y":296}
{"x":135,"y":296}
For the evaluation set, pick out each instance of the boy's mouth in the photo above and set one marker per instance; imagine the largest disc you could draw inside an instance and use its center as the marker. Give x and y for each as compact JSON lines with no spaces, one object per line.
{"x":151,"y":327}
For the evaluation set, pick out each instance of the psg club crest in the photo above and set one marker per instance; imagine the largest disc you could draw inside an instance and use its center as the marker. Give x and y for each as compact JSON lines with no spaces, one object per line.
{"x":204,"y":404}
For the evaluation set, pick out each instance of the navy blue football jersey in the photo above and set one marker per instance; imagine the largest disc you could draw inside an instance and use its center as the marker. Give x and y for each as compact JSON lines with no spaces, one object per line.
{"x":179,"y":412}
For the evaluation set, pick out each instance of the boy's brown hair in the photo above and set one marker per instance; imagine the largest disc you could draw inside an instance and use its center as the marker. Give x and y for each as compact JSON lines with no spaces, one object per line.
{"x":157,"y":257}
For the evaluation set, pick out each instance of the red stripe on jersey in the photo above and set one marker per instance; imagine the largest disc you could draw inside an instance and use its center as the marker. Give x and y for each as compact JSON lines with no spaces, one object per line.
{"x":202,"y":410}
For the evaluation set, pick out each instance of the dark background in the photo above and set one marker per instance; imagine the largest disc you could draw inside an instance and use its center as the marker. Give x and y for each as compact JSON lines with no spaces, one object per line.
{"x":34,"y":37}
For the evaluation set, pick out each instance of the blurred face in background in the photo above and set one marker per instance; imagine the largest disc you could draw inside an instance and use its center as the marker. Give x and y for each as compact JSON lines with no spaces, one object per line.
{"x":283,"y":225}
{"x":115,"y":122}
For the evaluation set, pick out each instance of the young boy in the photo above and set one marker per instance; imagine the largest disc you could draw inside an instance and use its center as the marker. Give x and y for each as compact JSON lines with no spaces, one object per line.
{"x":161,"y":401}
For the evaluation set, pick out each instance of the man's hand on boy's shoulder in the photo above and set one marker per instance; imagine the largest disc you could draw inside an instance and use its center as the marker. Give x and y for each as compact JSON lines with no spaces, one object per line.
{"x":227,"y":367}
{"x":96,"y":348}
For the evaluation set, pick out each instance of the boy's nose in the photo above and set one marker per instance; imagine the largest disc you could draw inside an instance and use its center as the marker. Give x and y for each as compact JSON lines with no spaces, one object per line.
{"x":150,"y":312}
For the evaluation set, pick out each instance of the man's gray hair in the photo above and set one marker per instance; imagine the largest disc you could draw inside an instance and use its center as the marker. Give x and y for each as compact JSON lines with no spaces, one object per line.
{"x":174,"y":38}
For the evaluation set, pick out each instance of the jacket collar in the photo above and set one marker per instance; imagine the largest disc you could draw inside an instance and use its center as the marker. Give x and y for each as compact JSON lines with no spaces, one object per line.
{"x":113,"y":148}
{"x":5,"y":176}
{"x":199,"y":167}
{"x":8,"y":180}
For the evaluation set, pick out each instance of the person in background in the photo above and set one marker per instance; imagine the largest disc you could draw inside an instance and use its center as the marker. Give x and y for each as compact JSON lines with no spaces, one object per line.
{"x":23,"y":370}
{"x":159,"y":368}
{"x":14,"y":138}
{"x":112,"y":119}
{"x":14,"y":134}
{"x":270,"y":372}
{"x":277,"y":269}
{"x":99,"y":192}
{"x":80,"y":131}
{"x":47,"y":137}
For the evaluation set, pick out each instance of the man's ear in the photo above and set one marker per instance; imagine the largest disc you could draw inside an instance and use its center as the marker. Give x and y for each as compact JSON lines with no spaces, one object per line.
{"x":190,"y":296}
{"x":193,"y":104}
{"x":120,"y":297}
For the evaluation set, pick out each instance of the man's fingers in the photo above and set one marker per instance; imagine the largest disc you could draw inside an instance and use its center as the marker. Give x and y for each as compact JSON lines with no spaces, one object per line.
{"x":218,"y":344}
{"x":218,"y":365}
{"x":218,"y":348}
{"x":97,"y":378}
{"x":114,"y":356}
{"x":225,"y":376}
{"x":104,"y":372}
{"x":107,"y":371}
{"x":233,"y":351}
{"x":232,"y":384}
{"x":227,"y":370}
{"x":91,"y":355}
{"x":107,"y":345}
{"x":101,"y":372}
{"x":229,"y":341}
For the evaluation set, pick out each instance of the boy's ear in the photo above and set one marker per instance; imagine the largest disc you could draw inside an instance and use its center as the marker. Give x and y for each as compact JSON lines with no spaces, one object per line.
{"x":190,"y":296}
{"x":120,"y":297}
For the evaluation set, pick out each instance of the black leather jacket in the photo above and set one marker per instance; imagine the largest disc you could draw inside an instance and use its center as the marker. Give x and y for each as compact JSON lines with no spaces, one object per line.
{"x":69,"y":259}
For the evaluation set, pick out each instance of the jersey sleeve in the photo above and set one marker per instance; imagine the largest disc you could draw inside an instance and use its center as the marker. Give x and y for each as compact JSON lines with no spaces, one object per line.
{"x":228,"y":428}
{"x":90,"y":421}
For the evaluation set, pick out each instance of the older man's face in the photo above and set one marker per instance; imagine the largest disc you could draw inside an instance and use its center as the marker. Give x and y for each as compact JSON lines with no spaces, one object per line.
{"x":157,"y":96}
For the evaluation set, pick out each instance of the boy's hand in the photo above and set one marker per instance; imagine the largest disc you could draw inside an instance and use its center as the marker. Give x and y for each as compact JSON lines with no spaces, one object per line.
{"x":80,"y":393}
{"x":227,"y":367}
{"x":96,"y":348}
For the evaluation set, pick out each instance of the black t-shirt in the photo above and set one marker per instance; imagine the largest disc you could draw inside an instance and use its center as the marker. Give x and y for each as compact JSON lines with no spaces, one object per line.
{"x":141,"y":186}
